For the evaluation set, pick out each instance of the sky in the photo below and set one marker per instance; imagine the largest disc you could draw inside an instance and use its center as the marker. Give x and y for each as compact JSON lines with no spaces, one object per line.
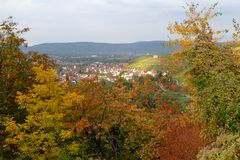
{"x":112,"y":21}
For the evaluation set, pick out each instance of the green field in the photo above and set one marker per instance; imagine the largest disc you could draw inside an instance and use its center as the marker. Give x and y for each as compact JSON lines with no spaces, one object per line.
{"x":149,"y":62}
{"x":162,"y":63}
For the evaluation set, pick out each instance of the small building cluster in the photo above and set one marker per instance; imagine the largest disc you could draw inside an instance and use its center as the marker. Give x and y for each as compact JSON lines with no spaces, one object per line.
{"x":109,"y":72}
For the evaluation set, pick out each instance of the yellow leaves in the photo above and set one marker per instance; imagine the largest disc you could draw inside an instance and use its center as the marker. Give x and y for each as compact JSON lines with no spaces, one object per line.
{"x":185,"y":43}
{"x":133,"y":108}
{"x":73,"y":148}
{"x":21,"y":99}
{"x":176,"y":58}
{"x":236,"y":53}
{"x":10,"y":141}
{"x":187,"y":34}
{"x":10,"y":125}
{"x":71,"y":98}
{"x":196,"y":23}
{"x":32,"y":120}
{"x":203,"y":26}
{"x":45,"y":76}
{"x":66,"y":134}
{"x":181,"y":29}
{"x":48,"y":106}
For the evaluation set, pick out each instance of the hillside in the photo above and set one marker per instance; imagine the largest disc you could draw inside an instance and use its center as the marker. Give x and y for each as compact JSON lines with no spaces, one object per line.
{"x":90,"y":48}
{"x":149,"y":62}
{"x":161,"y":62}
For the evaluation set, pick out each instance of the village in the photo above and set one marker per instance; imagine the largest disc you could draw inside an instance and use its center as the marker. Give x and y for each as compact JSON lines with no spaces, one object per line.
{"x":100,"y":71}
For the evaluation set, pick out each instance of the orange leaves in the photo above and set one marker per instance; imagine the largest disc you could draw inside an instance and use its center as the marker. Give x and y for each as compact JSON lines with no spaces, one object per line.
{"x":181,"y":140}
{"x":197,"y":23}
{"x":173,"y":87}
{"x":10,"y":141}
{"x":185,"y":30}
{"x":82,"y":124}
{"x":185,"y":43}
{"x":125,"y":118}
{"x":71,"y":99}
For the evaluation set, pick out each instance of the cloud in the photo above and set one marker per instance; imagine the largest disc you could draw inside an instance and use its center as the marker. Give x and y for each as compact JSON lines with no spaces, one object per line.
{"x":104,"y":20}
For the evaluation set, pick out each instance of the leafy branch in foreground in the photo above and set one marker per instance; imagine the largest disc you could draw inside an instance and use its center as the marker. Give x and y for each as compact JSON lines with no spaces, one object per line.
{"x":212,"y":74}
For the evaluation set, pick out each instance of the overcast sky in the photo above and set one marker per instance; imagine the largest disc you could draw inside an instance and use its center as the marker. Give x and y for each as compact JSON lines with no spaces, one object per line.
{"x":105,"y":20}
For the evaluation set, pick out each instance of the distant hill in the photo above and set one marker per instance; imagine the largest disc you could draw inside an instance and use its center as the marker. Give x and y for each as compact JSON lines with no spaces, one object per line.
{"x":90,"y":48}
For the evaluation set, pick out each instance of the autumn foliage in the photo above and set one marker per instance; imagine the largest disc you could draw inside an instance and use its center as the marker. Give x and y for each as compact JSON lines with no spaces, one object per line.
{"x":143,"y":118}
{"x":120,"y":120}
{"x":212,"y":77}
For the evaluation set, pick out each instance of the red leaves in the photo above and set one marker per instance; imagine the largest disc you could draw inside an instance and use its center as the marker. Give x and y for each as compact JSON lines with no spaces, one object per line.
{"x":82,"y":124}
{"x":181,"y":141}
{"x":174,"y":136}
{"x":173,"y":87}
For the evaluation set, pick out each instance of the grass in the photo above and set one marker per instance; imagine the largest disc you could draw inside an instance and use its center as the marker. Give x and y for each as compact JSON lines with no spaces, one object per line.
{"x":149,"y":62}
{"x":161,"y":63}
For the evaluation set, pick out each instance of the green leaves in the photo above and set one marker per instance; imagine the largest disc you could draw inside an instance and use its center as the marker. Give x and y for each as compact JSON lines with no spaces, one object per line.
{"x":227,"y":146}
{"x":15,"y":73}
{"x":214,"y":80}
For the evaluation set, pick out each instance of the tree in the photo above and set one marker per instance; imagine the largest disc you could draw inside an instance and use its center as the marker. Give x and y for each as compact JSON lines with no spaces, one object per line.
{"x":146,"y":93}
{"x":46,"y":133}
{"x":15,"y":73}
{"x":14,"y":68}
{"x":236,"y":34}
{"x":195,"y":26}
{"x":181,"y":139}
{"x":236,"y":43}
{"x":212,"y":75}
{"x":117,"y":129}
